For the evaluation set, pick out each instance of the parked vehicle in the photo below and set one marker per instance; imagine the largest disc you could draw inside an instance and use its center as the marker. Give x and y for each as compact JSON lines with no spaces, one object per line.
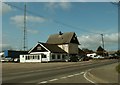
{"x":16,"y":60}
{"x":5,"y":59}
{"x":84,"y":58}
{"x":114,"y":57}
{"x":99,"y":57}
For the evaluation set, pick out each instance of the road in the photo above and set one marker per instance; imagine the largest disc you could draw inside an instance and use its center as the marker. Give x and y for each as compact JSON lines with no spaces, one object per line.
{"x":105,"y":74}
{"x":50,"y":73}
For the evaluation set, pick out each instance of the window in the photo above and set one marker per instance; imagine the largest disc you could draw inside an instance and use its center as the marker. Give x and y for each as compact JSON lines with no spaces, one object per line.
{"x":74,"y":38}
{"x":38,"y":48}
{"x":33,"y":57}
{"x":53,"y":56}
{"x":27,"y":57}
{"x":44,"y":56}
{"x":58,"y":56}
{"x":38,"y":57}
{"x":63,"y":57}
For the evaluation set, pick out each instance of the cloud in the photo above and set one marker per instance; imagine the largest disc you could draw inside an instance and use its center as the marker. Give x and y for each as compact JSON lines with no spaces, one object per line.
{"x":5,"y":46}
{"x":33,"y":31}
{"x":93,"y":41}
{"x":63,"y":4}
{"x":60,"y":0}
{"x":111,"y":38}
{"x":19,"y":19}
{"x":6,"y":8}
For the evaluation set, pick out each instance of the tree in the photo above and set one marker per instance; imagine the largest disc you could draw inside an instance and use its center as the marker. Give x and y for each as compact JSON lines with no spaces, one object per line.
{"x":87,"y":51}
{"x":118,"y":52}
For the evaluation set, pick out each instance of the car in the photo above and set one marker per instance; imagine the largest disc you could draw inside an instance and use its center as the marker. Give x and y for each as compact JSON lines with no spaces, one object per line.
{"x":98,"y":56}
{"x":5,"y":59}
{"x":16,"y":60}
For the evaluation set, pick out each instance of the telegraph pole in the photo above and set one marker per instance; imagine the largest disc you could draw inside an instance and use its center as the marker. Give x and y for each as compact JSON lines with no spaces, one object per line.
{"x":102,"y":43}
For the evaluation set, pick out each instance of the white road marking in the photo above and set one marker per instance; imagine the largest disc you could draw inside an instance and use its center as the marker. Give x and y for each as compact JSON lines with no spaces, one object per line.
{"x":51,"y":69}
{"x":77,"y":74}
{"x":70,"y":76}
{"x":82,"y":72}
{"x":53,"y":80}
{"x":89,"y":69}
{"x":87,"y":78}
{"x":63,"y":77}
{"x":43,"y":82}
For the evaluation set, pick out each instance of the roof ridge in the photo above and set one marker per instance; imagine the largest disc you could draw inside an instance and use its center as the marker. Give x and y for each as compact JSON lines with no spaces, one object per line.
{"x":60,"y":39}
{"x":63,"y":33}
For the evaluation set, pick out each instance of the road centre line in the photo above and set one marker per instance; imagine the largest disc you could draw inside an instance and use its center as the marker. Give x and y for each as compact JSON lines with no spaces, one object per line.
{"x":82,"y":72}
{"x":53,"y":80}
{"x":64,"y":77}
{"x":77,"y":74}
{"x":43,"y":82}
{"x":70,"y":76}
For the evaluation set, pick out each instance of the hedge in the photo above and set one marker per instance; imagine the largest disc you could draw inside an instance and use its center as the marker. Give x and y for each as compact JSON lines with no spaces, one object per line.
{"x":118,"y":68}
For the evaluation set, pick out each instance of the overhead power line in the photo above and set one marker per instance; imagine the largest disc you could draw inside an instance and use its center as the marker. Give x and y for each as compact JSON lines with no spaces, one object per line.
{"x":71,"y":26}
{"x":53,"y":20}
{"x":22,"y":9}
{"x":25,"y":47}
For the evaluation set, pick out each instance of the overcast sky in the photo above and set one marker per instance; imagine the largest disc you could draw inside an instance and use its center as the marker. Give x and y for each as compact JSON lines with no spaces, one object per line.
{"x":87,"y":19}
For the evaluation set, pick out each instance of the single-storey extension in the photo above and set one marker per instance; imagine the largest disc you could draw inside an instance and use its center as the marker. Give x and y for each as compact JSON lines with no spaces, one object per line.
{"x":44,"y":52}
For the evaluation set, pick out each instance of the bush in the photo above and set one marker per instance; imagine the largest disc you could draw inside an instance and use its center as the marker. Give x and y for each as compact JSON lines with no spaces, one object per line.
{"x":74,"y":59}
{"x":118,"y":68}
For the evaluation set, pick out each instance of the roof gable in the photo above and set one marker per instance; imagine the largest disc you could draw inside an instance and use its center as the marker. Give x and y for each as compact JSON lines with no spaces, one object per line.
{"x":53,"y":48}
{"x":74,"y":39}
{"x":62,"y":38}
{"x":44,"y":47}
{"x":38,"y":48}
{"x":100,"y":49}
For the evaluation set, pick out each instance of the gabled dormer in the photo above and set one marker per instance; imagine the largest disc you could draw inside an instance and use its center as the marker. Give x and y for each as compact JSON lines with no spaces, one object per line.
{"x":38,"y":48}
{"x":45,"y":47}
{"x":74,"y":39}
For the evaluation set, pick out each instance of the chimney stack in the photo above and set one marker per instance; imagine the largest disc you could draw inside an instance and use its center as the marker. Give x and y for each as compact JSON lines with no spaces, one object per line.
{"x":60,"y":33}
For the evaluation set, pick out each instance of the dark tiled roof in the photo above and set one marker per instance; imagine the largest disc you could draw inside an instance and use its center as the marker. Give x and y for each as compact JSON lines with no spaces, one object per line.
{"x":53,"y":48}
{"x":100,"y":49}
{"x":61,"y":39}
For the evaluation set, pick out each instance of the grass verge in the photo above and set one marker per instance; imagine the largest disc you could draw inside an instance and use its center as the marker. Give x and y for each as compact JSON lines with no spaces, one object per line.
{"x":118,"y":68}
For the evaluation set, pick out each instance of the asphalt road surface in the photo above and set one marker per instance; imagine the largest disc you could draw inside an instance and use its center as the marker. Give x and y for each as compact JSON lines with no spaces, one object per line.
{"x":37,"y":73}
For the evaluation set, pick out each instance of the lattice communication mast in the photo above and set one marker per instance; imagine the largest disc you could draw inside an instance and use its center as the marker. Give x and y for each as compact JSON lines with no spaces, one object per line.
{"x":25,"y":47}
